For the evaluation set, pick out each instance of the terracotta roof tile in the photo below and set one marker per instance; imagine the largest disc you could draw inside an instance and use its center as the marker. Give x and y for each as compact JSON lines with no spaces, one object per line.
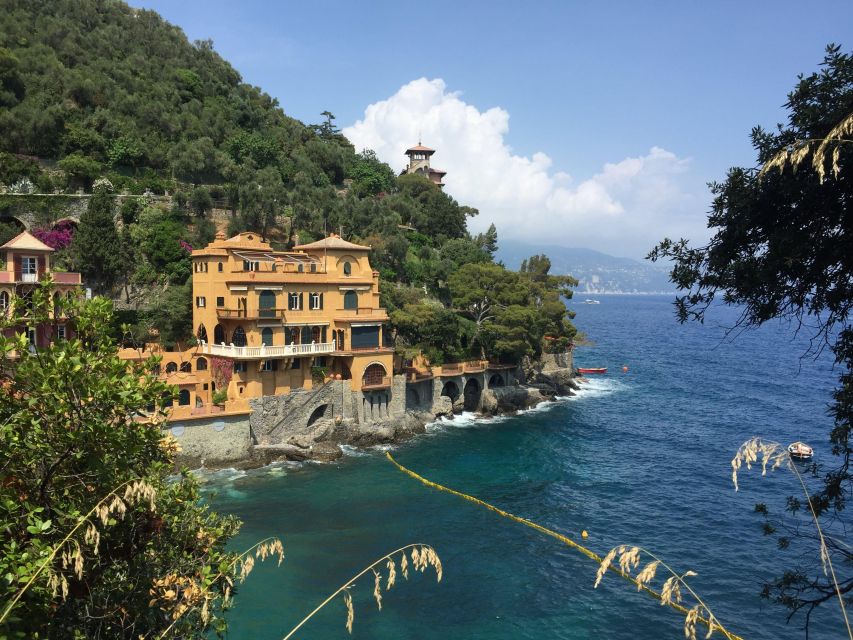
{"x":332,"y":242}
{"x":420,"y":147}
{"x":26,"y":241}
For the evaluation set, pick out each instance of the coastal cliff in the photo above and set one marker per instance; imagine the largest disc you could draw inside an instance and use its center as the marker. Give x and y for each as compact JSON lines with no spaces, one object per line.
{"x":313,"y":424}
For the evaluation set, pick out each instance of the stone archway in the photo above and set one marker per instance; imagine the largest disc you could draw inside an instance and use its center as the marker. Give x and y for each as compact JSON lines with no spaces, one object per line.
{"x":20,"y":223}
{"x":451,"y":390}
{"x":318,"y":413}
{"x":497,"y":380}
{"x":413,"y":398}
{"x":473,"y":391}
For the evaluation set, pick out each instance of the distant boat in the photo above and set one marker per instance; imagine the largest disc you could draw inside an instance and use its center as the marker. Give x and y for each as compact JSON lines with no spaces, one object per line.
{"x":591,"y":301}
{"x":800,"y":450}
{"x":597,"y":370}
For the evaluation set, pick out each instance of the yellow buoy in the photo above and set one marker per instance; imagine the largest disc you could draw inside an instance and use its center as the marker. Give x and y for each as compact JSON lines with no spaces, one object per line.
{"x":584,"y":534}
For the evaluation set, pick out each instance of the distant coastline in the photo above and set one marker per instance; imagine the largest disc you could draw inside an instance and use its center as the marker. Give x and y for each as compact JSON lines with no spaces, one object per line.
{"x":578,"y":294}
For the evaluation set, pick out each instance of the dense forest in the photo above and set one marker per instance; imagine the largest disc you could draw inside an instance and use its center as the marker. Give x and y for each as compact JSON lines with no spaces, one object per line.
{"x":99,"y":97}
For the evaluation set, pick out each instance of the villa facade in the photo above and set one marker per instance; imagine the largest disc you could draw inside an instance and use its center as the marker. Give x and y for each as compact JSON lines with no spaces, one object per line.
{"x":28,"y":260}
{"x":270,"y":322}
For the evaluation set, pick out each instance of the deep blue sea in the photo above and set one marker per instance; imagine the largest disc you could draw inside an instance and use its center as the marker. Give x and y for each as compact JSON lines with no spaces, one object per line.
{"x":640,"y":458}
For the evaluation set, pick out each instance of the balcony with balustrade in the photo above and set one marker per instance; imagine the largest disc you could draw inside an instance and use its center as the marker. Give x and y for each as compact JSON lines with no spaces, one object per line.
{"x":250,"y":314}
{"x":265,"y":352}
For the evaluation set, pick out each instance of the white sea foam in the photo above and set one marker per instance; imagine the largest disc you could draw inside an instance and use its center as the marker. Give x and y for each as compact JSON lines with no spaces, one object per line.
{"x":229,"y":474}
{"x":352,"y":452}
{"x":598,"y":387}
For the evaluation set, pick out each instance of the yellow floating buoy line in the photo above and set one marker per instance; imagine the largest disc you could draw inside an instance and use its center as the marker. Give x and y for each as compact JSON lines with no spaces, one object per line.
{"x":559,"y":536}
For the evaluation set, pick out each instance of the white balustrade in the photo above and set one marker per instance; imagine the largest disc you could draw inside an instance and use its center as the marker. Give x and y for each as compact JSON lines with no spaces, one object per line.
{"x":264,"y":352}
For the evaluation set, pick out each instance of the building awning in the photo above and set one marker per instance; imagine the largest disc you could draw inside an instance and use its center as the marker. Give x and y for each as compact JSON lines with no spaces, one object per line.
{"x":306,"y":324}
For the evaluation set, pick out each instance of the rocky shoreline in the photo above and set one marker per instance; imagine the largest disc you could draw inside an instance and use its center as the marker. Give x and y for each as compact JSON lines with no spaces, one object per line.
{"x":536,"y":381}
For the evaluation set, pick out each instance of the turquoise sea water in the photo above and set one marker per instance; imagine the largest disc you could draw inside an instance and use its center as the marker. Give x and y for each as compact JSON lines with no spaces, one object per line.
{"x":639,"y":458}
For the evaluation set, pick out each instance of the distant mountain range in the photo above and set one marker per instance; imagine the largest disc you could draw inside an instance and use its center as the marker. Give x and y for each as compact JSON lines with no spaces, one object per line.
{"x":597,"y":273}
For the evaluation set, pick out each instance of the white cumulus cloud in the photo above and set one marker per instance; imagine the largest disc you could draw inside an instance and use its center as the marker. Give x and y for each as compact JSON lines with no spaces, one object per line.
{"x":624,"y":208}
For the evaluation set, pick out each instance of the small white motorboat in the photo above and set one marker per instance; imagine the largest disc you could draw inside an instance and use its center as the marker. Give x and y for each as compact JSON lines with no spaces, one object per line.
{"x":591,"y":301}
{"x":800,"y":450}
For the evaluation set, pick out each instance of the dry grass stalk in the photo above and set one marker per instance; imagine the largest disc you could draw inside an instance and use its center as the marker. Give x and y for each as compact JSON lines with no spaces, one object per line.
{"x":185,"y":600}
{"x":404,"y":566}
{"x":392,"y":574}
{"x":749,"y":453}
{"x":350,"y":610}
{"x":628,"y":558}
{"x":778,"y":454}
{"x":422,"y":557}
{"x":71,"y":553}
{"x":377,"y":589}
{"x":818,"y":148}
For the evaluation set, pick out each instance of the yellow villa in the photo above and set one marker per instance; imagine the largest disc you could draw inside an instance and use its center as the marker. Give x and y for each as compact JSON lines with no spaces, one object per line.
{"x":269,"y":322}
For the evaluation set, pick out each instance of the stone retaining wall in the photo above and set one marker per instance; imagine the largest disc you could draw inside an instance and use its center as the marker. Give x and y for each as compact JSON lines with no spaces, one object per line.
{"x":215,"y":441}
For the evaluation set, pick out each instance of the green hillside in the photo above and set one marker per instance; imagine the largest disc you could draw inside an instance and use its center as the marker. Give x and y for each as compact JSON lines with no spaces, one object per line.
{"x":94,"y":92}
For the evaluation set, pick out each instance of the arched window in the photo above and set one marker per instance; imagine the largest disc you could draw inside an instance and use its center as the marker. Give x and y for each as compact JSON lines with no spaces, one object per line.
{"x":373,"y":375}
{"x":171,"y":367}
{"x":350,"y":300}
{"x":201,"y":364}
{"x":186,"y":367}
{"x":219,"y":334}
{"x":56,"y":303}
{"x":184,"y":397}
{"x":220,"y":267}
{"x":239,"y":337}
{"x":201,"y":334}
{"x":4,"y":301}
{"x":347,"y":269}
{"x":266,"y":337}
{"x":315,"y":334}
{"x":292,"y":335}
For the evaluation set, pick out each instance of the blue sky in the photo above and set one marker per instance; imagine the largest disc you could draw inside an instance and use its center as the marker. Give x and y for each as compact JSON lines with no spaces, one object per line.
{"x":529,"y":103}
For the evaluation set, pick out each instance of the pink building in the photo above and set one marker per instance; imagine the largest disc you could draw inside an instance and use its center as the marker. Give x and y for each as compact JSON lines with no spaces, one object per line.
{"x":27,"y":261}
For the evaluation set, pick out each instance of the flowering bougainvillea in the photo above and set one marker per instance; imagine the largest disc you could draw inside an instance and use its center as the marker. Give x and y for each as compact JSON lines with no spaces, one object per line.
{"x":186,"y":246}
{"x":221,"y":370}
{"x":57,"y":237}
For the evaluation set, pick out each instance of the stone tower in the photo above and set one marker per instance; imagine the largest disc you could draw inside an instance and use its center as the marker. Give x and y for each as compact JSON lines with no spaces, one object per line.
{"x":419,"y":157}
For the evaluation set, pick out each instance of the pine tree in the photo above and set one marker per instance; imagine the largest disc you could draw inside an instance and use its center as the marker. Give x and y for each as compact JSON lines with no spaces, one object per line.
{"x":96,"y":244}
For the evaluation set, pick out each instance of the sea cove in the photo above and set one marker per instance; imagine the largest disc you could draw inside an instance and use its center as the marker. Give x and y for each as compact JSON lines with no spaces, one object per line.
{"x":641,"y":458}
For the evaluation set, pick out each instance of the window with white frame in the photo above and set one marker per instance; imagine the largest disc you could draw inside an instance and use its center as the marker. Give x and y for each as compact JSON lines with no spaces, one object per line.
{"x":29,"y":265}
{"x":60,"y":332}
{"x":316,"y":301}
{"x":269,"y":365}
{"x":294,"y":301}
{"x":200,"y":302}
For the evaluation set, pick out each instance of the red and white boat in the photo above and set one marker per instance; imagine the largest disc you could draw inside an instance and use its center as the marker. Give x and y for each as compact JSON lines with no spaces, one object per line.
{"x":800,"y":450}
{"x":593,"y":370}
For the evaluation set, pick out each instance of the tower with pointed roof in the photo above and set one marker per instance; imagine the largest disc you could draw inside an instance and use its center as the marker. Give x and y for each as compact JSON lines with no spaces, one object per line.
{"x":419,"y":157}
